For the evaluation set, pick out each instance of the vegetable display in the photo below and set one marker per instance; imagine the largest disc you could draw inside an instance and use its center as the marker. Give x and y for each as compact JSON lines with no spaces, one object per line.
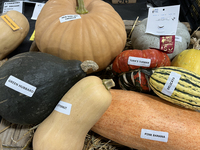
{"x":131,"y":112}
{"x":13,"y":32}
{"x":32,"y":83}
{"x":79,"y":109}
{"x":177,"y":85}
{"x":98,"y":34}
{"x":142,"y":40}
{"x":134,"y":67}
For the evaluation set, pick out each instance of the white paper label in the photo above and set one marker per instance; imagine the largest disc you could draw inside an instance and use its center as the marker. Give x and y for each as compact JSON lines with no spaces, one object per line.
{"x":63,"y":107}
{"x":13,"y":6}
{"x":154,"y":135}
{"x":69,"y":18}
{"x":37,"y":9}
{"x":20,"y":86}
{"x":144,"y":62}
{"x":162,"y":19}
{"x":178,"y":38}
{"x":171,"y":83}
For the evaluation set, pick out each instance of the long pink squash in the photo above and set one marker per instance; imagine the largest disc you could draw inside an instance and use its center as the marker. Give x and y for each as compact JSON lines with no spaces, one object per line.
{"x":130,"y":112}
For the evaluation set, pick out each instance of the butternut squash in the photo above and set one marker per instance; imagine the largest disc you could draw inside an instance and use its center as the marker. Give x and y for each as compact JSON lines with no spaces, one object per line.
{"x":88,"y":100}
{"x":131,"y":112}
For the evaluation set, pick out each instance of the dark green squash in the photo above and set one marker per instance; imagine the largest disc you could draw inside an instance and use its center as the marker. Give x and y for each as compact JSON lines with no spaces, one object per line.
{"x":52,"y":77}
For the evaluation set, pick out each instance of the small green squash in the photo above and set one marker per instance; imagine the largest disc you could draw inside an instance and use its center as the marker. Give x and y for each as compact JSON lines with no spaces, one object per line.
{"x":51,"y":77}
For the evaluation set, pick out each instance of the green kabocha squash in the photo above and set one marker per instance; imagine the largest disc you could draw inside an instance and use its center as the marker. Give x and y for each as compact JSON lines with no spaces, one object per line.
{"x":177,"y":85}
{"x":32,"y":83}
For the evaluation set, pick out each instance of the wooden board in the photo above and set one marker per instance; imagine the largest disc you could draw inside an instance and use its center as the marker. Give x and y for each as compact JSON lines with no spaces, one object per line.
{"x":14,"y":137}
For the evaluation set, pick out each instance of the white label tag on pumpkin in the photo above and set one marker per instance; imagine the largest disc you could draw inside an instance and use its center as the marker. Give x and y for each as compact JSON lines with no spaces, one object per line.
{"x":13,"y":6}
{"x":66,"y":18}
{"x":20,"y":86}
{"x":154,"y":135}
{"x":171,"y":83}
{"x":63,"y":107}
{"x":143,"y":62}
{"x":178,"y":38}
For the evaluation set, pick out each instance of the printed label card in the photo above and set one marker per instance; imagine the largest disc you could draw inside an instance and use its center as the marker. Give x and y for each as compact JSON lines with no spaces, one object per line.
{"x":17,"y":5}
{"x":163,"y":20}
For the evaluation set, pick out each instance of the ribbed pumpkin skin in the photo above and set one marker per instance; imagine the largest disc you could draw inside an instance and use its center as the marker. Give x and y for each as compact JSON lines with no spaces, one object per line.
{"x":10,"y":39}
{"x":99,"y":35}
{"x":188,"y":59}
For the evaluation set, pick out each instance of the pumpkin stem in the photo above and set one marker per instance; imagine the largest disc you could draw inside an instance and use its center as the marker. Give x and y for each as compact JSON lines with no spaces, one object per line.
{"x":89,"y":64}
{"x":80,"y":9}
{"x":108,"y":83}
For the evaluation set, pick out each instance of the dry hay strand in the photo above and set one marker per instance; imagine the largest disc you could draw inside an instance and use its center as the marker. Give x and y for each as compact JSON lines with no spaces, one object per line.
{"x":94,"y":141}
{"x":15,"y":137}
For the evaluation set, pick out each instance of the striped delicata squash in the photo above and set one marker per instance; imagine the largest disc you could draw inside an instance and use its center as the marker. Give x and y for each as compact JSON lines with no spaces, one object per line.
{"x":177,"y":85}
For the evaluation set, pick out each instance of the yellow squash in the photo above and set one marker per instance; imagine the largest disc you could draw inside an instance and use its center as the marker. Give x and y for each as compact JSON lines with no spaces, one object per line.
{"x":88,"y":99}
{"x":188,"y":59}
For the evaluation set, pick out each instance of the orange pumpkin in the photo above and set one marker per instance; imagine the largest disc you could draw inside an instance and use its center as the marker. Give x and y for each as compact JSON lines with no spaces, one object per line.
{"x":99,"y":34}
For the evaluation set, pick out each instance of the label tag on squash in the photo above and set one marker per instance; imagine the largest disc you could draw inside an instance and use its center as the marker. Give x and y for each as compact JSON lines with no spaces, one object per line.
{"x":137,"y":61}
{"x":18,"y":6}
{"x":20,"y":86}
{"x":171,"y":83}
{"x":66,"y":18}
{"x":63,"y":107}
{"x":167,"y":43}
{"x":154,"y":135}
{"x":10,"y":22}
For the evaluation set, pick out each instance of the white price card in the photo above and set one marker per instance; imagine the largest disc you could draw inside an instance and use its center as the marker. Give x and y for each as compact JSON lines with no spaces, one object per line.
{"x":66,"y":18}
{"x":154,"y":135}
{"x":63,"y":107}
{"x":16,"y":5}
{"x":137,"y":61}
{"x":37,"y":9}
{"x":20,"y":86}
{"x":163,"y":20}
{"x":171,"y":83}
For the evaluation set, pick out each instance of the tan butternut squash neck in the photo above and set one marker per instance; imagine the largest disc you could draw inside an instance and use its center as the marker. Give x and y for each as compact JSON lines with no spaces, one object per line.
{"x":80,"y":9}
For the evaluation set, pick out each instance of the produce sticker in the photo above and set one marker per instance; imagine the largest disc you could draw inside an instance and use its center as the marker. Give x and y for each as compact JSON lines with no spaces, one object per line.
{"x":171,"y":83}
{"x":66,"y":18}
{"x":20,"y":86}
{"x":137,"y":61}
{"x":154,"y":135}
{"x":10,"y":22}
{"x":63,"y":107}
